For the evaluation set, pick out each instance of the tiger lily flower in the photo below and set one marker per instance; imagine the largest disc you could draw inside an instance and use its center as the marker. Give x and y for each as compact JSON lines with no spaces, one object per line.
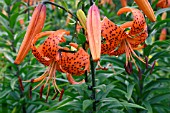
{"x":52,"y":55}
{"x":94,"y":32}
{"x":35,"y":26}
{"x":145,"y":6}
{"x":117,"y":41}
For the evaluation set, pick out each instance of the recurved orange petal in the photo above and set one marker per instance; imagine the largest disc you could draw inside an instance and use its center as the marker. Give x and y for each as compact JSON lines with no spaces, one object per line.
{"x":112,"y":34}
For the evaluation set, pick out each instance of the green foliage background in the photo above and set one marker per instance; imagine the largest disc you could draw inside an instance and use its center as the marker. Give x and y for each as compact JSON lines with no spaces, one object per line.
{"x":116,"y":91}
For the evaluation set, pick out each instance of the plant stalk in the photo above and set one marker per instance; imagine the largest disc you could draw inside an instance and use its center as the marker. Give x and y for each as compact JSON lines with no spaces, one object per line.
{"x":52,"y":3}
{"x":93,"y":76}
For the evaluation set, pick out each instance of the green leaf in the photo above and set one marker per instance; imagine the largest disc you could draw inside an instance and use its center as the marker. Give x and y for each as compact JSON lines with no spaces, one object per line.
{"x":8,"y":57}
{"x":158,"y":55}
{"x":55,"y":111}
{"x":149,"y":41}
{"x":159,"y":98}
{"x":157,"y":25}
{"x":129,"y":91}
{"x":161,"y":11}
{"x":82,"y":38}
{"x":148,"y":106}
{"x":3,"y":16}
{"x":39,"y":103}
{"x":86,"y":103}
{"x":4,"y":93}
{"x":13,"y":19}
{"x":131,"y":105}
{"x":13,"y":82}
{"x":8,"y":2}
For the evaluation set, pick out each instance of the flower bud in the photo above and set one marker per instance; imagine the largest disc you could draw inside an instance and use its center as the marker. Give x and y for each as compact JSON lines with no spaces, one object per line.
{"x":145,"y":6}
{"x":94,"y":32}
{"x":82,"y":18}
{"x":35,"y":26}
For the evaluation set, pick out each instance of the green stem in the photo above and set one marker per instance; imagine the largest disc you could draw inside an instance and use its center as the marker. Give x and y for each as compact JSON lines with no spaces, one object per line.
{"x":93,"y":76}
{"x":28,"y":3}
{"x":93,"y":83}
{"x":52,"y":3}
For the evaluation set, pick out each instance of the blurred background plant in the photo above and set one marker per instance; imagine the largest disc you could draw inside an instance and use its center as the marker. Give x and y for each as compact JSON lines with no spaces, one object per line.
{"x":144,"y":91}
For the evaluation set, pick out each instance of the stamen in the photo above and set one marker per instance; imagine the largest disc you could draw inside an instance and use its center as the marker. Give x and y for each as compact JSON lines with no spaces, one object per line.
{"x":153,"y":65}
{"x":56,"y":86}
{"x":48,"y":90}
{"x":61,"y":94}
{"x":100,"y":67}
{"x":39,"y":78}
{"x":41,"y":90}
{"x":30,"y":92}
{"x":38,"y":84}
{"x":55,"y":96}
{"x":130,"y":66}
{"x":134,"y":53}
{"x":127,"y":69}
{"x":20,"y":83}
{"x":139,"y":74}
{"x":146,"y":60}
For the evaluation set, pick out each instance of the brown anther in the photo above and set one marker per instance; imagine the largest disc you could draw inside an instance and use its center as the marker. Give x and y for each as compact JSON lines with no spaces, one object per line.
{"x":153,"y":65}
{"x":54,"y":97}
{"x":30,"y":92}
{"x":139,"y":74}
{"x":41,"y":91}
{"x":20,"y":83}
{"x":61,"y":94}
{"x":130,"y":66}
{"x":32,"y":80}
{"x":127,"y":69}
{"x":146,"y":60}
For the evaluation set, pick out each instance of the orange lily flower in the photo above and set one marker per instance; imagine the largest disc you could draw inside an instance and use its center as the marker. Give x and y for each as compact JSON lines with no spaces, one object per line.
{"x":124,"y":3}
{"x":163,"y":31}
{"x":163,"y":35}
{"x":145,"y":6}
{"x":94,"y":32}
{"x":50,"y":54}
{"x":106,"y":1}
{"x":21,"y":21}
{"x":117,"y":41}
{"x":163,"y":3}
{"x":35,"y":26}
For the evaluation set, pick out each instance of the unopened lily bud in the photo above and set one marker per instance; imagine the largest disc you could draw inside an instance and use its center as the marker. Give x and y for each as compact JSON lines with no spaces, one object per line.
{"x":82,"y":18}
{"x":35,"y":26}
{"x":164,"y":15}
{"x":94,"y":32}
{"x":163,"y":34}
{"x":145,"y":6}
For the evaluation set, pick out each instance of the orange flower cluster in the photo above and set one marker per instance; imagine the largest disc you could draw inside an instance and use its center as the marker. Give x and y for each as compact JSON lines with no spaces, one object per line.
{"x":51,"y":54}
{"x":58,"y":58}
{"x":116,"y":41}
